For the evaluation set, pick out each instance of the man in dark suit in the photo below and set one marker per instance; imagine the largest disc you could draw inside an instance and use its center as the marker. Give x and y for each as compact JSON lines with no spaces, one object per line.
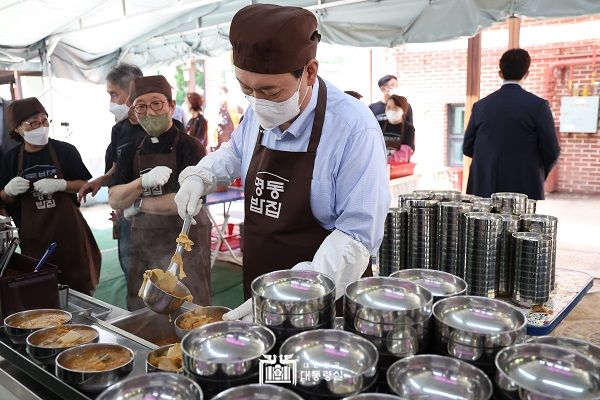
{"x":511,"y":136}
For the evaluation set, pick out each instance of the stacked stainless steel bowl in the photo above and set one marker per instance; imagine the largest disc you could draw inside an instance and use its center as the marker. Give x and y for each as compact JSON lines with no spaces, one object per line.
{"x":482,"y":205}
{"x":469,"y":198}
{"x":225,"y":354}
{"x":510,"y":225}
{"x":475,"y":329}
{"x":392,"y":313}
{"x":293,"y":301}
{"x":451,"y":225}
{"x":332,"y":364}
{"x":431,"y":377}
{"x":509,"y":203}
{"x":422,"y":233}
{"x":404,"y":197}
{"x":483,"y":235}
{"x":392,"y":252}
{"x":531,"y":206}
{"x":548,"y":225}
{"x":531,"y":282}
{"x":546,"y":372}
{"x":446,"y":195}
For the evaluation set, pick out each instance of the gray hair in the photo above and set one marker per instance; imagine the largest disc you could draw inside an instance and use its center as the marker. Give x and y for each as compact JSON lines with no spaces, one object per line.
{"x":122,"y":74}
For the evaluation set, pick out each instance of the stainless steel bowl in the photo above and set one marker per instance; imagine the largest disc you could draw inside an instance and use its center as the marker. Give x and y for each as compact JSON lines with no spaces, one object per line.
{"x":162,"y":302}
{"x":257,"y":392}
{"x":471,"y":327}
{"x":386,"y":300}
{"x":429,"y":377}
{"x":161,"y":386}
{"x":348,"y":360}
{"x":161,"y":351}
{"x":581,"y":346}
{"x":19,"y":335}
{"x":210,"y":311}
{"x":92,"y":381}
{"x":373,"y":396}
{"x":546,"y":372}
{"x":440,"y":284}
{"x":232,"y":348}
{"x":302,"y":298}
{"x":46,"y":355}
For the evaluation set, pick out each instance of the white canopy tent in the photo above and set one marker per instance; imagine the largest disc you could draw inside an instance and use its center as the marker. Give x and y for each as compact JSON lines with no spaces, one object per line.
{"x":82,"y":39}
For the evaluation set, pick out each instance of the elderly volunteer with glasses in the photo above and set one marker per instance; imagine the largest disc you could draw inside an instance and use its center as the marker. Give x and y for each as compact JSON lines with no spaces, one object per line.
{"x":144,"y":185}
{"x":40,"y":179}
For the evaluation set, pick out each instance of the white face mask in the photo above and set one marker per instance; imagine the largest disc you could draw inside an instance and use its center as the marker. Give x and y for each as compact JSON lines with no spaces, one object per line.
{"x":37,"y":136}
{"x":120,"y":111}
{"x":395,"y":91}
{"x":271,"y":113}
{"x":394,"y":117}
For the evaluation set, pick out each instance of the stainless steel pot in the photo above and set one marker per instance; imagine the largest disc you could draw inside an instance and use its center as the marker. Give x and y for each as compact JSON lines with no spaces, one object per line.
{"x":440,"y":284}
{"x":257,"y":392}
{"x":46,"y":355}
{"x":546,"y":372}
{"x":161,"y":386}
{"x":475,"y":328}
{"x":209,"y":311}
{"x":346,"y":363}
{"x":229,"y":348}
{"x":161,"y":351}
{"x":429,"y":377}
{"x":92,"y":381}
{"x":19,"y":335}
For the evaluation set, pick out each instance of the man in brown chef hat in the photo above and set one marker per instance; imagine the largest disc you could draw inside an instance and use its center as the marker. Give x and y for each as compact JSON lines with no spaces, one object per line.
{"x":144,"y":185}
{"x":312,"y":158}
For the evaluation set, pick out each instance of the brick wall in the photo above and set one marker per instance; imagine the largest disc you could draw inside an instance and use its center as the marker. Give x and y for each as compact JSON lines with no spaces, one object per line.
{"x":433,"y":76}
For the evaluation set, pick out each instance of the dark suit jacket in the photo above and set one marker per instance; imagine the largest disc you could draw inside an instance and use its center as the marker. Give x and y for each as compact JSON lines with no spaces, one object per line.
{"x":512,"y":140}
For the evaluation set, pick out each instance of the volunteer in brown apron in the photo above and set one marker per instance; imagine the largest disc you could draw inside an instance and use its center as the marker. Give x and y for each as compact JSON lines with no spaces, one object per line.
{"x":153,"y":236}
{"x":286,"y":232}
{"x":55,"y":218}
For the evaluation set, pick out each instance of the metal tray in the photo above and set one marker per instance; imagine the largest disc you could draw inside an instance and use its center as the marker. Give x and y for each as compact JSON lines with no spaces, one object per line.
{"x":108,"y":334}
{"x":79,"y":302}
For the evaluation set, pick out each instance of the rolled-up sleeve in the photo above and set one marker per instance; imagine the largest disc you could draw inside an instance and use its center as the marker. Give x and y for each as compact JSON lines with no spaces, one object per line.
{"x":362,"y":194}
{"x":226,"y":162}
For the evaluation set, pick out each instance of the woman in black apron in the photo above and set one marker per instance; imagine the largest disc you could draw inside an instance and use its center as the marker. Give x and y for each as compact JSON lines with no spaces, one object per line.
{"x":41,"y":178}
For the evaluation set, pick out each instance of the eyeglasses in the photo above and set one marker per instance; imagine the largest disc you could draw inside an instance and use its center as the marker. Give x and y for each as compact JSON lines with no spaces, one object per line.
{"x":156,"y":105}
{"x":37,"y":124}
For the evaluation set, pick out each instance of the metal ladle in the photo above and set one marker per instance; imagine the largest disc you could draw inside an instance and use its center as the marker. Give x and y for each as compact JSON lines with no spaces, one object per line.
{"x":157,"y":299}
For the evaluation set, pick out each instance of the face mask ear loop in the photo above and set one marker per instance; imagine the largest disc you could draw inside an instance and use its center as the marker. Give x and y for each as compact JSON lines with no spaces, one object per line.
{"x":300,"y":84}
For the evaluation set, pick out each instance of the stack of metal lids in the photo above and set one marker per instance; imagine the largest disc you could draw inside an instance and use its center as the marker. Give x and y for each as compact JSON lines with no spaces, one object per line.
{"x":469,"y":198}
{"x":548,"y":225}
{"x":446,"y":195}
{"x":392,"y":253}
{"x":510,"y":224}
{"x":404,"y":197}
{"x":422,"y":233}
{"x":531,"y":206}
{"x":451,"y":225}
{"x":531,"y":283}
{"x":482,"y":205}
{"x":483,"y":234}
{"x":509,"y":203}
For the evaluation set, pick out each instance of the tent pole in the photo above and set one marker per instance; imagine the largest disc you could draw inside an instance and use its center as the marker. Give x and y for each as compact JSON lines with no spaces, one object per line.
{"x":514,"y":32}
{"x":18,"y":91}
{"x":473,"y":91}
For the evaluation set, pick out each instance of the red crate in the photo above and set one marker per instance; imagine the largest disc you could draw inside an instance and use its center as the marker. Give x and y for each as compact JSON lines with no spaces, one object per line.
{"x":398,"y":170}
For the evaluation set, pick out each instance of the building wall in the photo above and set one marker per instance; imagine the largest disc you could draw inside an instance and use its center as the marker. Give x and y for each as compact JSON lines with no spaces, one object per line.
{"x":433,"y":76}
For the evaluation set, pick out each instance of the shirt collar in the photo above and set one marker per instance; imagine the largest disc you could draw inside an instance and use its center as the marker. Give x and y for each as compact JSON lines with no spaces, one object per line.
{"x":511,"y":83}
{"x":301,"y":123}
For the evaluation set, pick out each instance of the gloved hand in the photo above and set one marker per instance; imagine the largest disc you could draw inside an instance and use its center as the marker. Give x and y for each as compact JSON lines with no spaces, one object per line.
{"x":243,"y":312}
{"x":157,"y":176}
{"x":188,"y":197}
{"x":49,"y":185}
{"x":16,"y":186}
{"x":131,"y":211}
{"x":341,"y":258}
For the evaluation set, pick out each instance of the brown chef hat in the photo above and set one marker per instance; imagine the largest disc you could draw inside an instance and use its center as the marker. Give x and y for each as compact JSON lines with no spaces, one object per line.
{"x":270,"y":39}
{"x":149,"y":84}
{"x":19,"y":110}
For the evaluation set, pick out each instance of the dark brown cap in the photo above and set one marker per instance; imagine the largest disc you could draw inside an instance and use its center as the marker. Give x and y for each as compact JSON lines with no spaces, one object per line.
{"x":270,"y":39}
{"x":149,"y":84}
{"x":19,"y":110}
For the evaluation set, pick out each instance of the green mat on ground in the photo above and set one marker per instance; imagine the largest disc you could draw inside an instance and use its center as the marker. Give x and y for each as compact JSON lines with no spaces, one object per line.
{"x":226,"y":278}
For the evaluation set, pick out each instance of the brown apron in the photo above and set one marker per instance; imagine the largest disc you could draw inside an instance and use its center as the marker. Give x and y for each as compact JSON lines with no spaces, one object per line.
{"x":55,"y":218}
{"x":279,"y":228}
{"x":153,"y":236}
